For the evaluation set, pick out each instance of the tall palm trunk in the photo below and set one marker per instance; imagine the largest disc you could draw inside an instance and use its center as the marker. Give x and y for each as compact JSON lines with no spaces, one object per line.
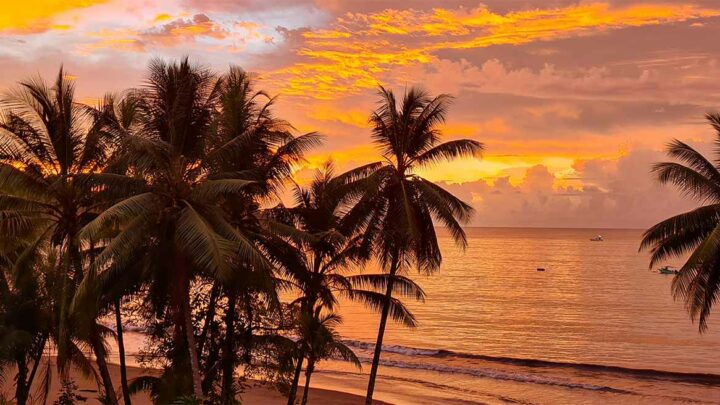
{"x":381,"y":331}
{"x":121,"y":353}
{"x":298,"y":369}
{"x":194,"y":362}
{"x":184,"y":336}
{"x":228,"y":352}
{"x":209,"y":316}
{"x":308,"y":374}
{"x":296,"y":380}
{"x":21,"y":383}
{"x":101,"y":359}
{"x":36,"y":364}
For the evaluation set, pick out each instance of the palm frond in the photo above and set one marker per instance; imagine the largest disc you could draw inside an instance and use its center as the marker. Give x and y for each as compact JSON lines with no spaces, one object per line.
{"x":690,"y":182}
{"x":677,"y":235}
{"x":401,"y":284}
{"x":141,"y":205}
{"x":208,"y":250}
{"x":375,"y":301}
{"x":450,"y":150}
{"x":211,"y":190}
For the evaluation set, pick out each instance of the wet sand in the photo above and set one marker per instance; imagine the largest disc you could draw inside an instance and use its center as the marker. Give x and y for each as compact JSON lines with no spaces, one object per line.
{"x":256,"y":392}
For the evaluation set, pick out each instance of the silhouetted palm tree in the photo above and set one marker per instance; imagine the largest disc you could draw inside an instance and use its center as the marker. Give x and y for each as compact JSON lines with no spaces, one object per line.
{"x":320,"y":341}
{"x":51,"y":153}
{"x":258,"y":146}
{"x":323,"y":243}
{"x":176,"y":212}
{"x":405,"y":205}
{"x":696,"y":232}
{"x":202,"y":152}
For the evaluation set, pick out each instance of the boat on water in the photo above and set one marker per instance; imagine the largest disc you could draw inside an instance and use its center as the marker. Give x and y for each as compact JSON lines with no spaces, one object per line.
{"x":667,"y":270}
{"x":598,"y":238}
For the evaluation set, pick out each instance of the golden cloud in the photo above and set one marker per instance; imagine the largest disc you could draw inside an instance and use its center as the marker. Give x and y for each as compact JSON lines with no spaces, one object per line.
{"x":170,"y":34}
{"x":355,"y":118}
{"x":34,"y":16}
{"x":231,"y":38}
{"x":359,"y":49}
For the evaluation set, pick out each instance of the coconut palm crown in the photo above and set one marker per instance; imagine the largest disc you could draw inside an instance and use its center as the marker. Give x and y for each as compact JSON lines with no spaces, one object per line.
{"x":695,"y":233}
{"x":404,"y":205}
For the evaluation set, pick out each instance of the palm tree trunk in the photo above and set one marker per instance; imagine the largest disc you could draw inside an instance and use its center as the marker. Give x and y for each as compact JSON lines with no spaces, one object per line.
{"x":381,"y":331}
{"x":101,"y":360}
{"x":121,"y":353}
{"x":308,"y":374}
{"x":209,"y":316}
{"x":184,"y":336}
{"x":212,"y":361}
{"x":228,"y":352}
{"x":296,"y":380}
{"x":192,"y":350}
{"x":21,"y":386}
{"x":36,"y":363}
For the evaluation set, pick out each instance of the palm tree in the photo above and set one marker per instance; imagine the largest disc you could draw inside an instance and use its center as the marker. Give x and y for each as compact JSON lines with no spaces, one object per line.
{"x":405,"y":205}
{"x":254,"y":145}
{"x":51,"y":153}
{"x":320,"y":341}
{"x":24,"y":327}
{"x":175,"y":212}
{"x":323,"y":240}
{"x":696,"y":232}
{"x":30,"y":307}
{"x":202,"y":153}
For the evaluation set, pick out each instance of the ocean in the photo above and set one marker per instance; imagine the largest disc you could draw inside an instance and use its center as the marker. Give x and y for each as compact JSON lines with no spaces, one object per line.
{"x":597,"y":326}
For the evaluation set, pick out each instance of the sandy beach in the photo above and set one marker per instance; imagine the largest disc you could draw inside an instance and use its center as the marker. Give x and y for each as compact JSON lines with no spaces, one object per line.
{"x":256,"y":392}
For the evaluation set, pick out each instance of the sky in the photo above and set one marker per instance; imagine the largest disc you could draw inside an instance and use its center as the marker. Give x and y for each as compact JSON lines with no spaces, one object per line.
{"x":574,"y":100}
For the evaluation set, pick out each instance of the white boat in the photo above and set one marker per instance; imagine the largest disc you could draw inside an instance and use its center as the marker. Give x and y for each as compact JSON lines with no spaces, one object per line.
{"x":598,"y":238}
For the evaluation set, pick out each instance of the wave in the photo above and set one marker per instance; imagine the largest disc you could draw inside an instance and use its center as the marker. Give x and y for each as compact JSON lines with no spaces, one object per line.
{"x":497,"y":375}
{"x":697,"y":378}
{"x":408,"y":351}
{"x":475,"y":393}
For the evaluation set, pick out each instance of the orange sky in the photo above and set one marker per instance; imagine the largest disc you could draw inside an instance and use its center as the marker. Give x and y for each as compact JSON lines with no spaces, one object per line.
{"x":573,"y":99}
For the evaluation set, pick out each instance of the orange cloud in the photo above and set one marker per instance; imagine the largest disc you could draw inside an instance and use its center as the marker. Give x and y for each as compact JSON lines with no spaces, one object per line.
{"x":163,"y":17}
{"x":36,"y":16}
{"x":184,"y":30}
{"x":179,"y":31}
{"x":355,"y":118}
{"x":360,"y":49}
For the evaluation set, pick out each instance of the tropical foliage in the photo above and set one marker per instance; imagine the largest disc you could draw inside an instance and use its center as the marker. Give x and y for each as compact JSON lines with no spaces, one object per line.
{"x":694,"y":233}
{"x":160,"y":206}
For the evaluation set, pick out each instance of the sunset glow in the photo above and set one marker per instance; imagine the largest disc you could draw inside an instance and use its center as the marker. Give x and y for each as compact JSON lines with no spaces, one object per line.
{"x":570,"y":91}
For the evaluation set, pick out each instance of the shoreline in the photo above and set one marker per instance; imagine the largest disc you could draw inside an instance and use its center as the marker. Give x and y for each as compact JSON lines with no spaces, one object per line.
{"x":256,"y":392}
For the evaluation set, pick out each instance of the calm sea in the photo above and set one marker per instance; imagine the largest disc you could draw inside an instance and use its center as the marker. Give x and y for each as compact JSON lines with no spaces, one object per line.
{"x":597,"y":326}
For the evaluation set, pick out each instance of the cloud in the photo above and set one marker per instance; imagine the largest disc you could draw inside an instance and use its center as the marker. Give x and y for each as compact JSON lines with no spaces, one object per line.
{"x":543,"y":84}
{"x":358,"y":49}
{"x":613,"y":193}
{"x":177,"y":32}
{"x":184,"y":30}
{"x":35,"y":16}
{"x":237,"y":6}
{"x":180,"y":32}
{"x":682,"y":79}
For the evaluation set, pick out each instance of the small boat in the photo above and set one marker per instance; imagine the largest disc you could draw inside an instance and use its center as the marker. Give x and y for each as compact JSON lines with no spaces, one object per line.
{"x":667,"y":270}
{"x":598,"y":238}
{"x":541,"y":269}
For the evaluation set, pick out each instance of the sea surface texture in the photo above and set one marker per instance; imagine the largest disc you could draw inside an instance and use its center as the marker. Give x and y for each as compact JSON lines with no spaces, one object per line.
{"x":596,"y":326}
